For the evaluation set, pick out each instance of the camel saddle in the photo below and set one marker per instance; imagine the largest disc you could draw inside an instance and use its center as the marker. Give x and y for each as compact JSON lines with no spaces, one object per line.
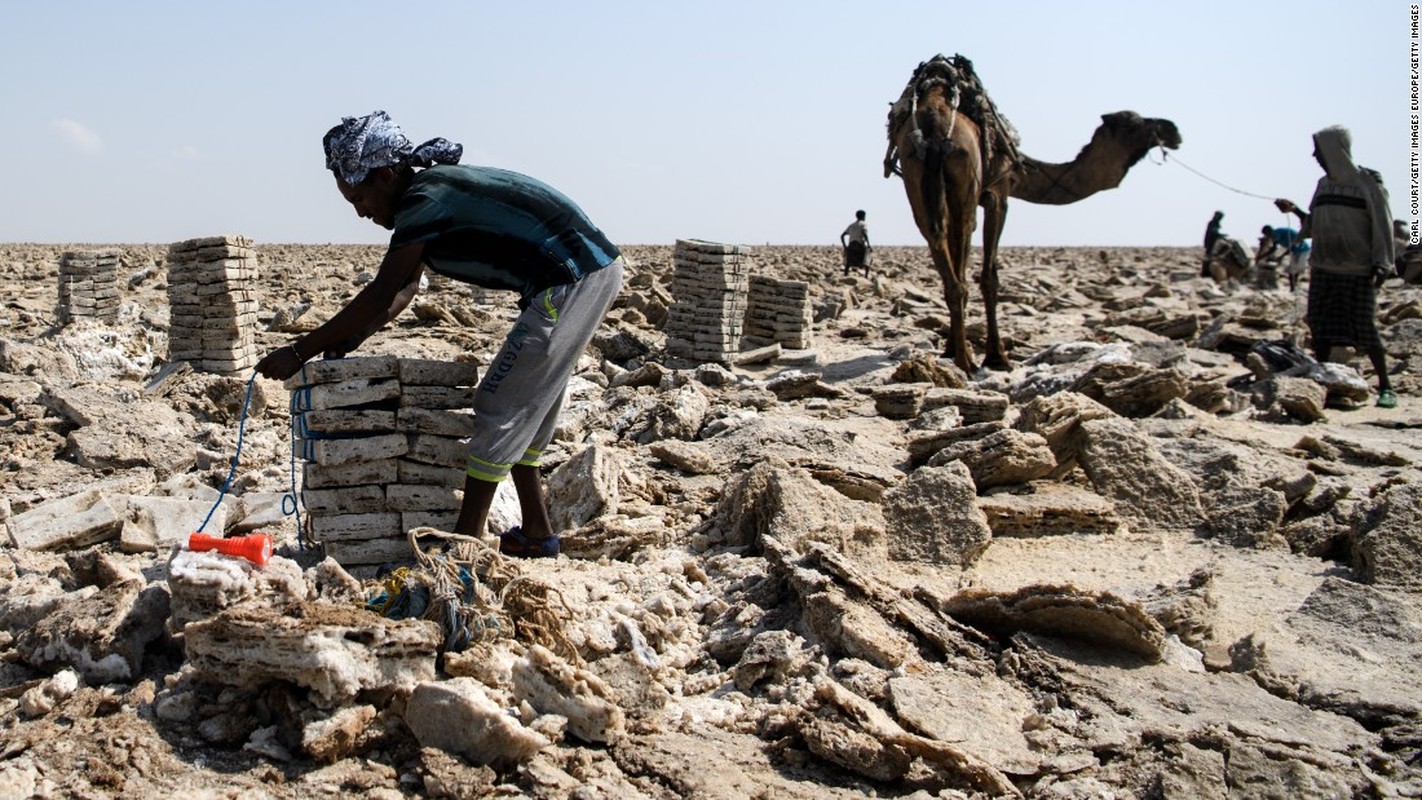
{"x":967,"y":95}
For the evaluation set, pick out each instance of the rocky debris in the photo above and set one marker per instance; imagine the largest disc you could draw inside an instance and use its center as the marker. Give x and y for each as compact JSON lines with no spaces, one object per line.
{"x":457,"y":716}
{"x":1062,"y":611}
{"x":900,"y":401}
{"x":787,"y":503}
{"x":203,"y":583}
{"x":1119,"y":569}
{"x":925,"y":368}
{"x":583,"y":488}
{"x":1047,"y":508}
{"x":1131,"y":389}
{"x":1126,"y":468}
{"x":1057,"y":418}
{"x":103,"y":636}
{"x":1388,"y":540}
{"x":335,"y":651}
{"x":974,"y":406}
{"x":932,"y":516}
{"x":1003,"y":458}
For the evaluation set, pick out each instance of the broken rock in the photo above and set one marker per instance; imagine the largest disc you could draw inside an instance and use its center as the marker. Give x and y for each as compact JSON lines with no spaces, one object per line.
{"x":104,"y":636}
{"x":933,"y":516}
{"x":335,"y":651}
{"x":1004,"y":458}
{"x":1388,"y":549}
{"x":1125,"y":467}
{"x":458,"y":716}
{"x":1065,"y":612}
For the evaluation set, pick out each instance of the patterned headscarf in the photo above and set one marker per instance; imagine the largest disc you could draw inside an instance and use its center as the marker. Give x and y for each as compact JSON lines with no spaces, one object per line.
{"x":361,"y":144}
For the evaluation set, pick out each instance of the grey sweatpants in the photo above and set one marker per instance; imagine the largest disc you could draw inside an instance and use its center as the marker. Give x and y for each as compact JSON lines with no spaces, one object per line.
{"x":516,"y":406}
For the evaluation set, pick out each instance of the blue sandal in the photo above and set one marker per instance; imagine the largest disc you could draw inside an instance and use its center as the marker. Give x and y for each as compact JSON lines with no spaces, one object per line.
{"x":1387,"y":398}
{"x":514,"y":543}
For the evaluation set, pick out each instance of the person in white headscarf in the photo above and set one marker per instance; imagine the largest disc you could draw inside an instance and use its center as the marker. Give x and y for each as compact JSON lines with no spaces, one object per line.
{"x":1350,"y":223}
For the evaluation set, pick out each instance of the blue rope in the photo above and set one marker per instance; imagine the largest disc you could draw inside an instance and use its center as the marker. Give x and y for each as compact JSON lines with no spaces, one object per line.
{"x":290,"y":503}
{"x":241,"y":426}
{"x":292,"y":499}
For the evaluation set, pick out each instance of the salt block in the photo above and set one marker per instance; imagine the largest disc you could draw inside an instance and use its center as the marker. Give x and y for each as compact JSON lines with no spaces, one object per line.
{"x":437,"y":372}
{"x":203,"y":242}
{"x":421,"y":497}
{"x":441,"y":397}
{"x":757,"y":356}
{"x":345,"y":499}
{"x":433,"y":474}
{"x":345,"y":421}
{"x":344,"y":451}
{"x":78,"y":520}
{"x":440,"y":450}
{"x":335,"y":370}
{"x":256,"y":511}
{"x":369,"y":551}
{"x":438,"y":422}
{"x":344,"y":394}
{"x":344,"y":527}
{"x":439,"y":520}
{"x":355,"y":473}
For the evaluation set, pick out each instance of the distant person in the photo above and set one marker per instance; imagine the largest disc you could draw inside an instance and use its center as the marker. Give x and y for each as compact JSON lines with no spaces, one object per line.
{"x":1212,"y":235}
{"x":855,"y":243}
{"x":1401,"y":240}
{"x":1278,"y":243}
{"x":491,"y":228}
{"x":1229,"y":260}
{"x":1350,"y":222}
{"x":1409,"y":256}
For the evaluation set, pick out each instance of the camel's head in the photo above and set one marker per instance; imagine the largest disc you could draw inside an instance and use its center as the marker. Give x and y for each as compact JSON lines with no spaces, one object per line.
{"x":1139,"y":134}
{"x":1134,"y":130}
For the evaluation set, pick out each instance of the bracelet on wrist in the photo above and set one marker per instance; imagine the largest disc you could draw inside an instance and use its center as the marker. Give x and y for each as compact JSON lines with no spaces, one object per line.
{"x":297,"y":353}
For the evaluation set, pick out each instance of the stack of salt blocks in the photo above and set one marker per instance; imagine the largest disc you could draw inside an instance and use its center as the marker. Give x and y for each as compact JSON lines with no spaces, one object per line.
{"x":88,"y":286}
{"x":778,"y":311}
{"x":708,"y":300}
{"x":385,"y":442}
{"x":213,"y":308}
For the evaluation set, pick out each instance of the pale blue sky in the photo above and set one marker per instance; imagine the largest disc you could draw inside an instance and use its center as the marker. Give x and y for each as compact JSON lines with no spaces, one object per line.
{"x":750,"y":122}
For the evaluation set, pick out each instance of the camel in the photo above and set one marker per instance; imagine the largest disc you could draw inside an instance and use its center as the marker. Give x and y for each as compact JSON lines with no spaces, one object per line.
{"x":955,"y":153}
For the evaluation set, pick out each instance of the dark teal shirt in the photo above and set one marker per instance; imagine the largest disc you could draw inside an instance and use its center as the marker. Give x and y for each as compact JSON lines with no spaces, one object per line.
{"x":498,"y":229}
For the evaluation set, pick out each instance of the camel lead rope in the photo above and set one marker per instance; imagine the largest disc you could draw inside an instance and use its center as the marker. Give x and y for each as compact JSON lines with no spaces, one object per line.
{"x":1165,"y":158}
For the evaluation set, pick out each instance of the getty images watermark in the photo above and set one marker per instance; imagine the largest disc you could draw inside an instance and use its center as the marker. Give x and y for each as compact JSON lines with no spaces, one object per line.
{"x":1413,"y":120}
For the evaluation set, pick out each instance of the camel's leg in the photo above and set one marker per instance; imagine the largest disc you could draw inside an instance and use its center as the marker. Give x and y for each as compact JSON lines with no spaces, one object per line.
{"x":962,"y":207}
{"x":994,"y":217}
{"x":956,"y":296}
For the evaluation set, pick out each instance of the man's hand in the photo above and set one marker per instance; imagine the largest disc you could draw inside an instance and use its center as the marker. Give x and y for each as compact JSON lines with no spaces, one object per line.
{"x":1286,"y":206}
{"x":281,"y":363}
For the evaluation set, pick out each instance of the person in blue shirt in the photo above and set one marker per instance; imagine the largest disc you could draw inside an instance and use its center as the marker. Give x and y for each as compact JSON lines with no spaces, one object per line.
{"x":495,"y":229}
{"x":1277,"y":243}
